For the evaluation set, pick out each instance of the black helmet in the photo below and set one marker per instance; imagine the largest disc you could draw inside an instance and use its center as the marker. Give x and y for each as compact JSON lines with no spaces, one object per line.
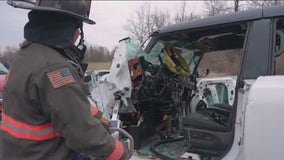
{"x":78,"y":9}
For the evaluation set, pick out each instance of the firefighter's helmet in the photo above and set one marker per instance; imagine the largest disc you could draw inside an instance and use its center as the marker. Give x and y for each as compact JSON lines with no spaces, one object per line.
{"x":78,"y":9}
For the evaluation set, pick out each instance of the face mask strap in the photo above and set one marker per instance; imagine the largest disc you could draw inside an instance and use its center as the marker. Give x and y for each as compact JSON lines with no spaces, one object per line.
{"x":81,"y":46}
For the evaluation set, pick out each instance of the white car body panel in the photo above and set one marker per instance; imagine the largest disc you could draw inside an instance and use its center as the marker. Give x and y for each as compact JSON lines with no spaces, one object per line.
{"x":118,"y":75}
{"x":257,"y":133}
{"x":118,"y":80}
{"x":264,"y":114}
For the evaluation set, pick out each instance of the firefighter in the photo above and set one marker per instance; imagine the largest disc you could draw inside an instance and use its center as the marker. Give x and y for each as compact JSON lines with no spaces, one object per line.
{"x":47,"y":115}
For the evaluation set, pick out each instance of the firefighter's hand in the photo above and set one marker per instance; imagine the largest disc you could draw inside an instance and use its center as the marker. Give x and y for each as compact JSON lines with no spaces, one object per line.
{"x":104,"y":120}
{"x":105,"y":123}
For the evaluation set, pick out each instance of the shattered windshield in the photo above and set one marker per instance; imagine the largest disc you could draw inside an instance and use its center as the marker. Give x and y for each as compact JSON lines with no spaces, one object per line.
{"x":157,"y":53}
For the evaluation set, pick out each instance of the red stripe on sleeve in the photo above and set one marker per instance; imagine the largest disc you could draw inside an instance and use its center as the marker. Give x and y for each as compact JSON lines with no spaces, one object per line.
{"x":95,"y":111}
{"x":118,"y":148}
{"x":28,"y":136}
{"x":24,"y":125}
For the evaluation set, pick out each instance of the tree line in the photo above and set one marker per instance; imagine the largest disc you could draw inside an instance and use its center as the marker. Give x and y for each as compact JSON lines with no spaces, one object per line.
{"x":146,"y":19}
{"x":93,"y":54}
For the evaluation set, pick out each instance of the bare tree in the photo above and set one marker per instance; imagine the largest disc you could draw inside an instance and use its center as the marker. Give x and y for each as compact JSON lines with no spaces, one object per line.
{"x":239,"y":5}
{"x":136,"y":25}
{"x":216,"y":7}
{"x":263,"y":3}
{"x":8,"y":54}
{"x":146,"y":20}
{"x":236,"y":5}
{"x":97,"y":54}
{"x":160,"y":19}
{"x":183,"y":15}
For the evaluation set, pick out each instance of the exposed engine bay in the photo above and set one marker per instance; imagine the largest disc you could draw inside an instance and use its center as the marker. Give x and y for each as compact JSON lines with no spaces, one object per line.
{"x":159,"y":97}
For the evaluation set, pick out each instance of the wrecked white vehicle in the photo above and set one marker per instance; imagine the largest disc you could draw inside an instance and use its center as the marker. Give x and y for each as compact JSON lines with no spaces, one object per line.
{"x":206,"y":89}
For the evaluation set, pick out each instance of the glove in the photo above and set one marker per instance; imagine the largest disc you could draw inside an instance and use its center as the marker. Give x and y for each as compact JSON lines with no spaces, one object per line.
{"x":105,"y":123}
{"x":104,"y":120}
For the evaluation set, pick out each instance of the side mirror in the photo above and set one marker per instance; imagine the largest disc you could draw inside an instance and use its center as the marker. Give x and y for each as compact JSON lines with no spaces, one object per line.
{"x":202,"y":72}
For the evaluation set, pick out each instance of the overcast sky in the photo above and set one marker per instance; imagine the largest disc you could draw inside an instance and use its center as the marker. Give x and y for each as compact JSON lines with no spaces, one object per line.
{"x":110,"y":16}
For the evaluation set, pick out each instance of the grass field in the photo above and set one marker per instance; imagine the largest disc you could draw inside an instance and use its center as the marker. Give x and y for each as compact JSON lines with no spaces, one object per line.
{"x":98,"y":65}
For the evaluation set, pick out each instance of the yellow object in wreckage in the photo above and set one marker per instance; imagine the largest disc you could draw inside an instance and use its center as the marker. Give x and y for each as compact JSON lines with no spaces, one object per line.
{"x":175,"y":61}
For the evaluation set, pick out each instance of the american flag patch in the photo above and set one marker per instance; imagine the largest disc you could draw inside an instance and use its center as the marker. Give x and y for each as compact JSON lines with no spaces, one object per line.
{"x":60,"y":77}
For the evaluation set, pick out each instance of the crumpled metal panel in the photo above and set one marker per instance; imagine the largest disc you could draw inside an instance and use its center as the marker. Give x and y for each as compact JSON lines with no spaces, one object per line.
{"x":119,"y":71}
{"x":117,"y":81}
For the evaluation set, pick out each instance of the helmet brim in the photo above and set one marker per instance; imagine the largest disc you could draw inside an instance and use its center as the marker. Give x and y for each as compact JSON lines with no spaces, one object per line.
{"x":50,"y":9}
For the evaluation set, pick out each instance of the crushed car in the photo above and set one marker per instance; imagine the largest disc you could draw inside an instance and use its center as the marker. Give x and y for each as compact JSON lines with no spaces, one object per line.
{"x":206,"y":89}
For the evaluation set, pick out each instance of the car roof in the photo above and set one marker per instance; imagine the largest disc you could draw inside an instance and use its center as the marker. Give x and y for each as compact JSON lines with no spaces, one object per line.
{"x":241,"y":16}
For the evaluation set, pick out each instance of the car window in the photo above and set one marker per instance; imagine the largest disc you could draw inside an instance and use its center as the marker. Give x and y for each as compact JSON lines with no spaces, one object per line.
{"x":279,"y":48}
{"x":222,"y":63}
